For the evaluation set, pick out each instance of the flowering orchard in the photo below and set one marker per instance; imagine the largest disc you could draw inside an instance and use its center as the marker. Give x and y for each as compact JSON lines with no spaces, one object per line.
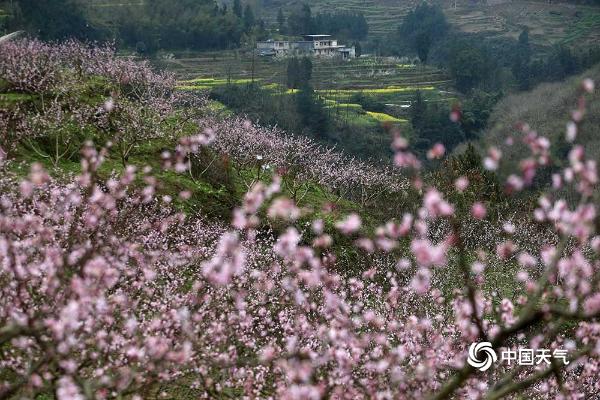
{"x":106,"y":290}
{"x":80,"y":92}
{"x":300,"y":161}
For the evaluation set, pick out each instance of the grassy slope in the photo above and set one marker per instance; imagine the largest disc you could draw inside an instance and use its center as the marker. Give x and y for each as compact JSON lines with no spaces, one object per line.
{"x":215,"y":193}
{"x":547,"y":109}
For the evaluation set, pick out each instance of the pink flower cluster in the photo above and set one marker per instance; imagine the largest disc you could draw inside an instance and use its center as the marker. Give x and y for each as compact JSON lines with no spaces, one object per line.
{"x":300,"y":161}
{"x":107,"y":291}
{"x":137,"y":105}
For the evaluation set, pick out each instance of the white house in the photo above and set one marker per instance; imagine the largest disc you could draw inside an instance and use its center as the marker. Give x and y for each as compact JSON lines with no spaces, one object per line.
{"x":312,"y":45}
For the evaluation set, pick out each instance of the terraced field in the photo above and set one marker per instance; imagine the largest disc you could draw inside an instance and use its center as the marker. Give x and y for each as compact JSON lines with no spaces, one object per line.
{"x":223,"y":65}
{"x":549,"y":23}
{"x":383,"y":80}
{"x":383,"y":16}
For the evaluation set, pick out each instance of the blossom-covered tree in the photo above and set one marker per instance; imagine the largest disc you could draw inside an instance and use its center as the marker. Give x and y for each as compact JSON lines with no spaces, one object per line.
{"x":106,"y":290}
{"x":137,"y":105}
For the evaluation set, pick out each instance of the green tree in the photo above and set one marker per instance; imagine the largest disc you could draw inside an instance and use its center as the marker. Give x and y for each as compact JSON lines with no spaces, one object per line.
{"x":521,"y":67}
{"x":476,"y":112}
{"x":281,"y":21}
{"x":300,"y":20}
{"x":431,"y":125}
{"x":418,"y":111}
{"x":468,"y":66}
{"x":237,"y":8}
{"x":293,"y":72}
{"x":566,"y":62}
{"x":305,"y":71}
{"x":422,"y":45}
{"x":299,"y":72}
{"x":249,"y":20}
{"x":357,"y":48}
{"x":52,"y":19}
{"x":524,"y":42}
{"x":421,"y":28}
{"x":312,"y":112}
{"x":345,"y":25}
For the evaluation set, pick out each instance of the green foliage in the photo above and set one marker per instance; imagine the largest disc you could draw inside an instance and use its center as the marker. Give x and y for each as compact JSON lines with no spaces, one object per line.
{"x":145,"y":27}
{"x":469,"y":65}
{"x":421,"y":28}
{"x":367,"y":102}
{"x":561,"y":62}
{"x":281,"y":21}
{"x":499,"y":64}
{"x":521,"y":67}
{"x":436,"y":127}
{"x":299,"y":72}
{"x":300,"y":21}
{"x":343,"y":24}
{"x":9,"y":99}
{"x":431,"y":122}
{"x":476,"y":111}
{"x":183,"y":24}
{"x":312,"y":112}
{"x":52,"y":19}
{"x":237,"y":8}
{"x":483,"y":186}
{"x":249,"y":20}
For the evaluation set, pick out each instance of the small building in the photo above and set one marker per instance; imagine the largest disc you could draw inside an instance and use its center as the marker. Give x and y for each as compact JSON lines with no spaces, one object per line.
{"x":347,"y":52}
{"x":312,"y":45}
{"x":274,"y":48}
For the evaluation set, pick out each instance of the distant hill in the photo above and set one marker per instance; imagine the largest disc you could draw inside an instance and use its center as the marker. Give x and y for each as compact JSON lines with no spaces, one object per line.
{"x":564,"y":22}
{"x":549,"y":24}
{"x":546,"y":109}
{"x":575,"y":23}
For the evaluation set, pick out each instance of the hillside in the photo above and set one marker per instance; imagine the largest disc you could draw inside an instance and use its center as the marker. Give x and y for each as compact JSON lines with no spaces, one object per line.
{"x":556,"y":23}
{"x":151,"y":102}
{"x":548,"y":24}
{"x":571,"y":24}
{"x":386,"y":80}
{"x":545,"y":109}
{"x":151,"y":248}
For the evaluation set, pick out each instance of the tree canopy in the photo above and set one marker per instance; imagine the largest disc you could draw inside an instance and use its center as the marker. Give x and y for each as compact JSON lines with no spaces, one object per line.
{"x":421,"y":28}
{"x":155,"y":24}
{"x":344,"y":24}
